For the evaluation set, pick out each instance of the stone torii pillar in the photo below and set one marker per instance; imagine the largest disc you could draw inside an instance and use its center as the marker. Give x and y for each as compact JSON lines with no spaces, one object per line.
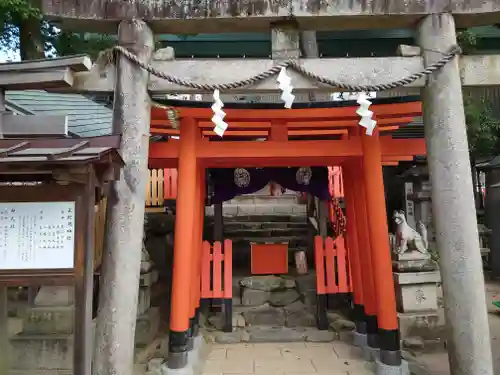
{"x":115,"y":332}
{"x":453,"y":204}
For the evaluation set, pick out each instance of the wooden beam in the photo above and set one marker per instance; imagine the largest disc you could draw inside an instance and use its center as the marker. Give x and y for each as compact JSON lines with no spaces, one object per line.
{"x":34,"y":125}
{"x":238,"y":133}
{"x":35,"y":80}
{"x":381,"y":111}
{"x":77,"y":63}
{"x":477,"y":70}
{"x":315,"y":132}
{"x":398,"y":147}
{"x":257,"y":16}
{"x":346,"y":123}
{"x":165,"y":154}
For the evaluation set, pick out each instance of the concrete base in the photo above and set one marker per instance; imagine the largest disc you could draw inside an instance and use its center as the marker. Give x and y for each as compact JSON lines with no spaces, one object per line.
{"x":188,"y":370}
{"x":196,"y":358}
{"x":383,"y":369}
{"x":370,"y":354}
{"x":359,"y":339}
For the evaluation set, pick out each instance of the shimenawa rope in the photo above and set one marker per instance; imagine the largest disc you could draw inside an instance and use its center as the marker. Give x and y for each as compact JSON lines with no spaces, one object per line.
{"x":292,"y":64}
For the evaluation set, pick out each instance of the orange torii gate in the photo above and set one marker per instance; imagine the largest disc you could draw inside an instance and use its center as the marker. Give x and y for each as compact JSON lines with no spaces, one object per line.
{"x":288,"y":137}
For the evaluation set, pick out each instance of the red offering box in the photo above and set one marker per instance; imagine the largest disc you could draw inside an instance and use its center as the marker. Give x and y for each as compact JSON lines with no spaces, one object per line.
{"x":269,"y":259}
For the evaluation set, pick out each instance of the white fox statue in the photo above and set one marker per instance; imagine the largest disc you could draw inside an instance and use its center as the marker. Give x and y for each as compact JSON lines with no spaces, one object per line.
{"x":408,"y":238}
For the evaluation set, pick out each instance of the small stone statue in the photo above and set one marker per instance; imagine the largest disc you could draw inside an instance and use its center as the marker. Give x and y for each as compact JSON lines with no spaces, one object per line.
{"x":408,"y":238}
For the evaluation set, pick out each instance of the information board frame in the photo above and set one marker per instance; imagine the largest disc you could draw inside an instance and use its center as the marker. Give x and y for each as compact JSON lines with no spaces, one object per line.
{"x":42,"y":194}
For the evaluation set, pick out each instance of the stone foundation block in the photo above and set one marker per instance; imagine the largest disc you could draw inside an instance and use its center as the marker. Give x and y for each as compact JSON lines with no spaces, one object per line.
{"x":42,"y":352}
{"x":428,"y":325}
{"x":49,"y":320}
{"x":416,"y":291}
{"x":144,"y":302}
{"x":275,"y":334}
{"x":147,"y":326}
{"x":266,"y":316}
{"x":254,"y":297}
{"x":55,"y":296}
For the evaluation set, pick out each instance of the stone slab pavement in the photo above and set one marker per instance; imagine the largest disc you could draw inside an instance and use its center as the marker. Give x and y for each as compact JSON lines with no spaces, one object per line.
{"x":333,"y":358}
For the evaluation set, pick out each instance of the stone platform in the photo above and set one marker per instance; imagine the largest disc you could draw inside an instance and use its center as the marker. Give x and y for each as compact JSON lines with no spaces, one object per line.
{"x":286,"y":359}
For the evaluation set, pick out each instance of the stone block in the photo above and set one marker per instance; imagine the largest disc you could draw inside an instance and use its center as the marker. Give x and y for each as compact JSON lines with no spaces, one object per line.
{"x":267,"y":283}
{"x":14,"y":326}
{"x":283,"y":297}
{"x":49,"y":320}
{"x":427,"y":325}
{"x":267,"y":316}
{"x":42,"y":352}
{"x":254,"y":297}
{"x":340,"y":325}
{"x":416,"y":291}
{"x":144,"y":302}
{"x":247,"y":209}
{"x":315,"y":335}
{"x":55,"y":296}
{"x":408,"y":51}
{"x":231,"y":337}
{"x":302,"y":318}
{"x":147,"y":326}
{"x":275,"y":334}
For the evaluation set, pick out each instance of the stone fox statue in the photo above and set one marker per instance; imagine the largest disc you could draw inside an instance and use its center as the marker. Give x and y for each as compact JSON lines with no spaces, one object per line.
{"x":408,"y":238}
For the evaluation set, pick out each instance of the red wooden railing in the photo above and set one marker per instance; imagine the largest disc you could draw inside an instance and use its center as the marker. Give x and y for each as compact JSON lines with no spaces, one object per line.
{"x":331,"y":267}
{"x":162,"y":186}
{"x":217,"y":270}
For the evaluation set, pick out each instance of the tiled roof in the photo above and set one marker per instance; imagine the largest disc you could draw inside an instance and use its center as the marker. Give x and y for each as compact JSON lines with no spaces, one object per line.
{"x":86,"y":118}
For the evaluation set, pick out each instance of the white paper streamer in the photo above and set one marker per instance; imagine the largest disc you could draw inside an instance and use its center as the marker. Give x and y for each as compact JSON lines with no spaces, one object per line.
{"x":219,"y":114}
{"x":366,"y":115}
{"x":285,"y":85}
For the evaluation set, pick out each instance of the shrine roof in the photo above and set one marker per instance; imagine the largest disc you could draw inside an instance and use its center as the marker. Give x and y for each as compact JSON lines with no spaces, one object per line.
{"x":86,"y":118}
{"x":59,"y":151}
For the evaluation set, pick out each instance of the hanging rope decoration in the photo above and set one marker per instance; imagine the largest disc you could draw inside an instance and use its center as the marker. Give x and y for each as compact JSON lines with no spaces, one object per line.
{"x":339,"y":220}
{"x":287,"y":96}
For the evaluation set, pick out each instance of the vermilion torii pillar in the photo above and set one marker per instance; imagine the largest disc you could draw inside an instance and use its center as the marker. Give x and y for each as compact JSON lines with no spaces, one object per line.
{"x":354,"y":256}
{"x":184,"y":247}
{"x":198,"y":245}
{"x":388,"y":333}
{"x":365,"y":257}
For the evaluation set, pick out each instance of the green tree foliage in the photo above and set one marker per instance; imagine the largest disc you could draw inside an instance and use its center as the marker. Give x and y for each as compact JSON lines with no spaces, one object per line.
{"x":483,"y":128}
{"x":23,"y":28}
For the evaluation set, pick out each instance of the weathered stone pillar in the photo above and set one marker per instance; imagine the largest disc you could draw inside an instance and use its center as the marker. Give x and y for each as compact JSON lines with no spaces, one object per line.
{"x":4,"y":319}
{"x":4,"y":332}
{"x":114,"y":352}
{"x":453,"y":204}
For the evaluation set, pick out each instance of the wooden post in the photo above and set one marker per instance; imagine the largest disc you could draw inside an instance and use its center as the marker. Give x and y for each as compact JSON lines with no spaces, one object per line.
{"x":365,"y":256}
{"x":114,"y":350}
{"x":199,"y":213}
{"x":387,"y":320}
{"x":453,"y":204}
{"x":82,"y":357}
{"x":4,"y":319}
{"x":181,"y":301}
{"x":354,"y":257}
{"x":219,"y":222}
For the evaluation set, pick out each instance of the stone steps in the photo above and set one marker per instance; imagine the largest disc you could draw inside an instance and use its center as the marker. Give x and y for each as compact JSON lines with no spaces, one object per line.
{"x":259,"y":209}
{"x":264,"y":225}
{"x":274,"y":218}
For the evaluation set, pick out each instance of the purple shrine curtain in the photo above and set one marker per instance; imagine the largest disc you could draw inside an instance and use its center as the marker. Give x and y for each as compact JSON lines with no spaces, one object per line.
{"x":227,"y":183}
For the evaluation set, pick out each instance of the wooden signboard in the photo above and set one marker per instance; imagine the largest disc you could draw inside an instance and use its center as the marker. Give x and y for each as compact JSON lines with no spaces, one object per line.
{"x":40,"y":228}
